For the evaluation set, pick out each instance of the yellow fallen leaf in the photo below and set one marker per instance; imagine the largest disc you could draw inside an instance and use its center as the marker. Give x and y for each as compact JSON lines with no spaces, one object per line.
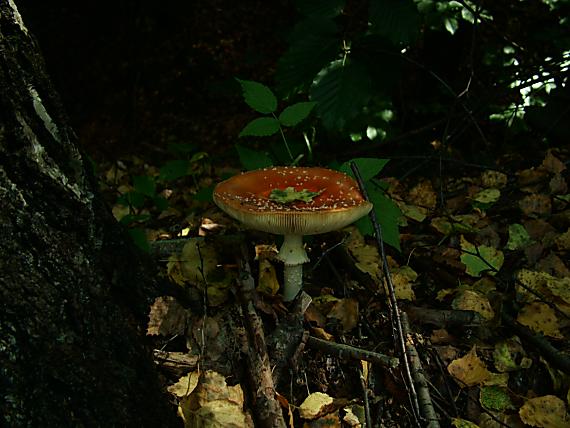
{"x":496,"y":179}
{"x":185,"y":385}
{"x":314,"y":405}
{"x":541,"y":318}
{"x":403,"y":278}
{"x":469,"y":370}
{"x":463,"y":423}
{"x":563,"y":241}
{"x":268,"y":283}
{"x":214,"y":404}
{"x":467,"y":300}
{"x":547,"y":411}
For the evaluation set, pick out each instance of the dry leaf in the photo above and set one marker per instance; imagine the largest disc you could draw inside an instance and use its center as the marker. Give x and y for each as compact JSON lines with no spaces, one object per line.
{"x":468,"y":300}
{"x":214,"y":404}
{"x":346,"y":312}
{"x":403,"y":278}
{"x":548,"y":411}
{"x":423,"y":195}
{"x":268,"y":283}
{"x":540,"y":318}
{"x":536,"y":205}
{"x":495,"y":179}
{"x":469,"y":370}
{"x":315,"y":405}
{"x":185,"y":385}
{"x":167,"y":317}
{"x":563,"y":241}
{"x":552,"y":164}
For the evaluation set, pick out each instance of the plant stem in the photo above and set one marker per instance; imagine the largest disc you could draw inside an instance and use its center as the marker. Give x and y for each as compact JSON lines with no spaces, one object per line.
{"x":284,"y":139}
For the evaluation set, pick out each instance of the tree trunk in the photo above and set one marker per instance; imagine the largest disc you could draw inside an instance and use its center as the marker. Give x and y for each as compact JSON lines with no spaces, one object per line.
{"x":73,"y":291}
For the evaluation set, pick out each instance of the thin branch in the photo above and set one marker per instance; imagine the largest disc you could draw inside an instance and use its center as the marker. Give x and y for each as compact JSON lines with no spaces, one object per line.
{"x":350,"y":352}
{"x":425,"y":402}
{"x":394,"y":310}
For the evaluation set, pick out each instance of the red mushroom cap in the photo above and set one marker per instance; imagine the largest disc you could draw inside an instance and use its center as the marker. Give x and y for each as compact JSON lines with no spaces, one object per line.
{"x":245,"y":197}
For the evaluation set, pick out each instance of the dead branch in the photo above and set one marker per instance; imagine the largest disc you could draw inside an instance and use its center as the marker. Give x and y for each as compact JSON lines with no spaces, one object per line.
{"x":393,"y":304}
{"x":267,"y":409}
{"x":350,"y":352}
{"x":176,"y":363}
{"x":443,"y":318}
{"x":424,"y":398}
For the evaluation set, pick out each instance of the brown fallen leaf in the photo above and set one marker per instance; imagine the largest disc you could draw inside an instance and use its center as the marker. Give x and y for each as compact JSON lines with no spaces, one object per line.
{"x":536,"y":205}
{"x":167,"y":317}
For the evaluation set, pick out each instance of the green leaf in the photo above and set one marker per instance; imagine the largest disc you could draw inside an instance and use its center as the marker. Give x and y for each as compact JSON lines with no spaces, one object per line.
{"x":135,"y":218}
{"x":397,"y":20}
{"x":387,"y":214}
{"x":288,"y":195}
{"x":296,"y":113}
{"x":368,"y":167}
{"x":314,"y":43}
{"x":480,"y":259}
{"x":131,"y":199}
{"x":258,"y":96}
{"x":322,"y":8}
{"x":253,"y":159}
{"x":341,"y":91}
{"x":495,"y":398}
{"x":260,"y":127}
{"x":175,"y":169}
{"x":160,"y":202}
{"x":139,"y":238}
{"x":518,"y":237}
{"x":145,"y":185}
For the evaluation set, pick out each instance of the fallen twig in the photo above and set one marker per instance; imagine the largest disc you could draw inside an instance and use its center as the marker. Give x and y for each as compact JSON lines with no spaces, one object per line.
{"x":445,"y":317}
{"x":266,"y":407}
{"x":424,"y":398}
{"x":177,"y":363}
{"x":351,"y":352}
{"x":393,"y":304}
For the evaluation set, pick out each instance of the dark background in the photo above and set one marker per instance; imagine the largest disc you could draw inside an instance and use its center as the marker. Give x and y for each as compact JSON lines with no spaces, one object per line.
{"x":135,"y":75}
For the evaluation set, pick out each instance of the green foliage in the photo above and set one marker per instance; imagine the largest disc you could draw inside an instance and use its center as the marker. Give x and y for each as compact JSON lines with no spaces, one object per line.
{"x":341,"y":91}
{"x":261,"y":98}
{"x":353,"y":61}
{"x":314,"y":43}
{"x":397,"y":20}
{"x":296,"y":113}
{"x":387,"y":212}
{"x":258,"y":96}
{"x":260,"y":127}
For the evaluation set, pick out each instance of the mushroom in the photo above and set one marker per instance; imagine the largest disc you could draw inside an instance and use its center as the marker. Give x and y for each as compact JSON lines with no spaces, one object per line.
{"x":292,"y":201}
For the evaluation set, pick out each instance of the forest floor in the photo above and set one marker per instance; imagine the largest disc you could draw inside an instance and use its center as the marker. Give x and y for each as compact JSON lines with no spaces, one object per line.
{"x":482,"y":277}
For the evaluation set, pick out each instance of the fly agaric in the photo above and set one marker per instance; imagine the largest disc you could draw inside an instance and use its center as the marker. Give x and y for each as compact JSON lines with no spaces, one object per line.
{"x":292,"y":201}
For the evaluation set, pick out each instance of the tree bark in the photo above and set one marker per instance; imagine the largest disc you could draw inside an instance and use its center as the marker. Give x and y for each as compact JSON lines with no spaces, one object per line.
{"x":73,"y":291}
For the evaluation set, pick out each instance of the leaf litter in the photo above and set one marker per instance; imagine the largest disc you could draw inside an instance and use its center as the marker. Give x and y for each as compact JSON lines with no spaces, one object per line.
{"x":498,"y":247}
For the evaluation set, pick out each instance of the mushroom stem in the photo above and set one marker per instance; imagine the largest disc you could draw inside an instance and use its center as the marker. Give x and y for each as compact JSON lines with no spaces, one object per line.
{"x":293,"y":281}
{"x":293,"y":255}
